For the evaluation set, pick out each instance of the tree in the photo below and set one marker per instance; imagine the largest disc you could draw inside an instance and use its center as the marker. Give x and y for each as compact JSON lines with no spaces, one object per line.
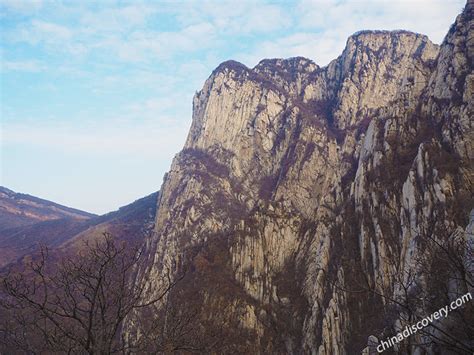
{"x":77,"y":304}
{"x":440,"y":273}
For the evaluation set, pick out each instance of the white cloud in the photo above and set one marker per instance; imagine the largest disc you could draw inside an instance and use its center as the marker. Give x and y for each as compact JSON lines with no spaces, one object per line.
{"x":39,"y":32}
{"x":21,"y":7}
{"x":323,"y":26}
{"x":50,"y":31}
{"x":158,"y":108}
{"x":116,"y":20}
{"x":198,"y":26}
{"x":129,"y":33}
{"x":49,"y":37}
{"x":26,"y":66}
{"x":145,"y":79}
{"x":146,"y":45}
{"x":235,"y":17}
{"x":158,"y":139}
{"x":318,"y":47}
{"x":430,"y":17}
{"x":246,"y":17}
{"x":156,"y":54}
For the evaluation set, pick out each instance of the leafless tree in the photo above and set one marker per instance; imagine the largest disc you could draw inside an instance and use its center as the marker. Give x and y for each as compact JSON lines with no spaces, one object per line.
{"x":440,"y":273}
{"x":77,"y":304}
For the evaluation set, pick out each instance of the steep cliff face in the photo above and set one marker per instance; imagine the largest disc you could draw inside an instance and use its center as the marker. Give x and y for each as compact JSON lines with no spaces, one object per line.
{"x":298,"y":186}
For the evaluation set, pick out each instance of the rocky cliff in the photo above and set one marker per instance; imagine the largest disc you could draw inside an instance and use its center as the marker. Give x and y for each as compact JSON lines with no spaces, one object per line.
{"x":305,"y":199}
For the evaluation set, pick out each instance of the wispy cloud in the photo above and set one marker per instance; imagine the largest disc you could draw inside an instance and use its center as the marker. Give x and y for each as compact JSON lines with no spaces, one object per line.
{"x":315,"y":46}
{"x":321,"y":27}
{"x":21,"y":7}
{"x":116,"y":20}
{"x":47,"y":31}
{"x":115,"y":79}
{"x":314,"y":28}
{"x":38,"y":32}
{"x":244,"y":17}
{"x":27,"y":66}
{"x":113,"y":139}
{"x":149,"y":45}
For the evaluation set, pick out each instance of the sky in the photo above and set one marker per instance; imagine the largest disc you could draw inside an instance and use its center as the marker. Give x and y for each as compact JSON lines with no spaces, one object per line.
{"x":96,"y":97}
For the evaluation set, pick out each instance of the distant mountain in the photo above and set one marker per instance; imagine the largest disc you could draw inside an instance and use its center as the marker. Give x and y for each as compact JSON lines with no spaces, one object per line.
{"x":130,"y":222}
{"x":27,"y":221}
{"x":17,"y":209}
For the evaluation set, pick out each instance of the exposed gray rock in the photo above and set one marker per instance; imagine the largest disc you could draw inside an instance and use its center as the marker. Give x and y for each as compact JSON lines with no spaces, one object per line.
{"x":303,"y":184}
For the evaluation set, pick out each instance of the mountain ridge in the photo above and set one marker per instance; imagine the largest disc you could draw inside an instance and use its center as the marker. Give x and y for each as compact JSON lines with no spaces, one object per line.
{"x":294,"y":185}
{"x":17,"y":240}
{"x":25,"y":209}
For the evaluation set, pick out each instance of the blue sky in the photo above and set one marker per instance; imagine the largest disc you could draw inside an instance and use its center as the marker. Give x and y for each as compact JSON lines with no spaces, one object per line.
{"x":96,"y":96}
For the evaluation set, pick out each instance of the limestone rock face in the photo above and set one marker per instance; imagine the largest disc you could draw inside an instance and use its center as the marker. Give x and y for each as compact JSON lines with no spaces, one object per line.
{"x":297,"y":183}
